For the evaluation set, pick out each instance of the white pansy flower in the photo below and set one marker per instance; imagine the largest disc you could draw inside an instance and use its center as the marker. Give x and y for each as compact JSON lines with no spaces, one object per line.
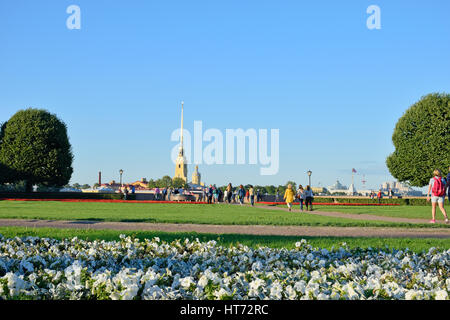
{"x":441,"y":295}
{"x":186,"y":282}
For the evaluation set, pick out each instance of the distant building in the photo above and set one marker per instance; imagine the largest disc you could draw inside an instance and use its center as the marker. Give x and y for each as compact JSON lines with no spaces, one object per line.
{"x":141,"y":185}
{"x":319,"y":190}
{"x":399,"y":188}
{"x":338,"y":188}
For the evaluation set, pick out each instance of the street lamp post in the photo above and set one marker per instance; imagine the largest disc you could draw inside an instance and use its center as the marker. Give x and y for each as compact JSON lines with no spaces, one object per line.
{"x":121,"y":172}
{"x":309,"y":176}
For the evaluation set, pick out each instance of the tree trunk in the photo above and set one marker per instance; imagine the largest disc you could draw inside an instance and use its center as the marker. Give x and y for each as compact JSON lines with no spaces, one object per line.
{"x":28,"y":186}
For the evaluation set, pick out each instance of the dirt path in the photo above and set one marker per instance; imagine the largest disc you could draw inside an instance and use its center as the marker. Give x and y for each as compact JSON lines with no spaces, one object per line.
{"x":236,"y":229}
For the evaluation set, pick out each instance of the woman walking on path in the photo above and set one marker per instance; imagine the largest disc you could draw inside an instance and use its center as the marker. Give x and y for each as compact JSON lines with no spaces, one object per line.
{"x":308,"y":198}
{"x":437,"y":187}
{"x":289,"y":196}
{"x":301,"y":196}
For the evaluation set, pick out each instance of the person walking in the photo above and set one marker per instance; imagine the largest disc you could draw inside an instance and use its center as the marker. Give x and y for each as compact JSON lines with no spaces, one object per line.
{"x":379,"y":196}
{"x":205,"y":194}
{"x":225,"y":195}
{"x":251,"y":195}
{"x":229,"y":192}
{"x":301,"y":196}
{"x":448,"y":184}
{"x":289,"y":196}
{"x":215,"y":194}
{"x":125,"y":193}
{"x":241,"y":194}
{"x":437,"y":187}
{"x":309,"y":196}
{"x":169,"y":193}
{"x":210,"y":194}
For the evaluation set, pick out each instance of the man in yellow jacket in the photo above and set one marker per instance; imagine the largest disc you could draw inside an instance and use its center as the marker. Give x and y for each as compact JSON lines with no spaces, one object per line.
{"x":289,"y":196}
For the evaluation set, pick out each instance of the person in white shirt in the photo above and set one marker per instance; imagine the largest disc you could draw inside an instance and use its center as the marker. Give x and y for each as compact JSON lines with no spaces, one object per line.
{"x":301,"y":196}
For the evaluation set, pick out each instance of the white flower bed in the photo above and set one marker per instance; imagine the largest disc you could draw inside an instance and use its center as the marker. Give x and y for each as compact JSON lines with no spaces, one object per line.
{"x":41,"y":268}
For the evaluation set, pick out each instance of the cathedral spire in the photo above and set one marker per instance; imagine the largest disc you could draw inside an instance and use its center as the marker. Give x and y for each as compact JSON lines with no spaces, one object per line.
{"x":181,"y":133}
{"x":181,"y":166}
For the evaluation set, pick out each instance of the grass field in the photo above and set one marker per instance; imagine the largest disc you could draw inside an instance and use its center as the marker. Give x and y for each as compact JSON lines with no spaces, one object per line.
{"x":199,"y":214}
{"x":288,"y":242}
{"x":413,"y":212}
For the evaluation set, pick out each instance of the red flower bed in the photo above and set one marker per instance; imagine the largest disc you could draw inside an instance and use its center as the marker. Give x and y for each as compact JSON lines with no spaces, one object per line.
{"x":103,"y":200}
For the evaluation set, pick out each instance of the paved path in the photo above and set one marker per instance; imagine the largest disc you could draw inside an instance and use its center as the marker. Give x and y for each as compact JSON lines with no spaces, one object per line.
{"x":237,"y":229}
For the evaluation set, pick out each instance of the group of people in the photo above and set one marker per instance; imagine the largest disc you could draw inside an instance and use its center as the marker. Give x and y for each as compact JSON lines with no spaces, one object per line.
{"x":379,"y":195}
{"x":125,"y":190}
{"x":437,"y":189}
{"x":165,"y":194}
{"x":303,"y":195}
{"x":212,"y":194}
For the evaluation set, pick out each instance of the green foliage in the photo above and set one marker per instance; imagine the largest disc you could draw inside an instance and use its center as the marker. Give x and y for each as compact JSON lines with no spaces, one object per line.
{"x":5,"y":173}
{"x":421,"y":139}
{"x":164,"y":182}
{"x":151,"y":184}
{"x":294,"y":185}
{"x":35,"y":147}
{"x":271,"y":189}
{"x":179,"y":183}
{"x":45,"y":194}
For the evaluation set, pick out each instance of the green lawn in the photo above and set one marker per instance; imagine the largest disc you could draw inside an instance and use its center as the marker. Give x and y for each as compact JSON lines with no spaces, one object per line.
{"x":288,"y":242}
{"x":180,"y":213}
{"x":413,"y":212}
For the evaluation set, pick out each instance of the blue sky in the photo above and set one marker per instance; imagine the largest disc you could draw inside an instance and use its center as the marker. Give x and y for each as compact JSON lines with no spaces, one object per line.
{"x":313,"y":70}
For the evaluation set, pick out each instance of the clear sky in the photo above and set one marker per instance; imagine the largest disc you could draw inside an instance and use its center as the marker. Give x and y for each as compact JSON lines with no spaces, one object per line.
{"x":311,"y":69}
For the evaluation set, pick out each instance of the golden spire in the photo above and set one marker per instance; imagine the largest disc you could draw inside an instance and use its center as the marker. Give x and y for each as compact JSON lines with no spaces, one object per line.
{"x":181,"y":134}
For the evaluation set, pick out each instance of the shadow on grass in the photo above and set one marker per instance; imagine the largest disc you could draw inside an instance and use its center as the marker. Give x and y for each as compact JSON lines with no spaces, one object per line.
{"x":88,"y":220}
{"x":138,"y":220}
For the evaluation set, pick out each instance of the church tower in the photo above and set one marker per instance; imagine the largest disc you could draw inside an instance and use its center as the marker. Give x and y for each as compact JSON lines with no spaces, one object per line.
{"x":181,"y":166}
{"x":196,"y":177}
